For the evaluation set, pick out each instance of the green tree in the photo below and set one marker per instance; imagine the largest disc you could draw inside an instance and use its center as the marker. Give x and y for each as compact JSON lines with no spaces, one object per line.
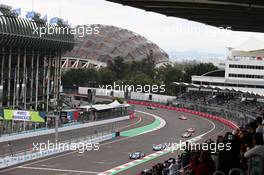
{"x":197,"y":69}
{"x":80,"y":77}
{"x":118,"y":67}
{"x":107,"y":76}
{"x":173,"y":74}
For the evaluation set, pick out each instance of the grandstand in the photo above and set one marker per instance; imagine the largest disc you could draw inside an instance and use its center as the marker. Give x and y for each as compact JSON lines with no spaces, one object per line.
{"x":30,"y":64}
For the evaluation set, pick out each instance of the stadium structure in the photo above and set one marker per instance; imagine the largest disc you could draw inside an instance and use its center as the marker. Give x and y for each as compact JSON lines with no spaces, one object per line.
{"x":30,"y":63}
{"x":95,"y":50}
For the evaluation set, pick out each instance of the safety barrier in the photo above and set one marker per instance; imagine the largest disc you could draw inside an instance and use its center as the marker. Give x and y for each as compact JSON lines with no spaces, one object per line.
{"x":61,"y":129}
{"x":229,"y":123}
{"x":30,"y":155}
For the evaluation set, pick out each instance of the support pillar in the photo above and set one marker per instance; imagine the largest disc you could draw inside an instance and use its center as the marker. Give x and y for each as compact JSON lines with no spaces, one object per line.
{"x":2,"y":77}
{"x":17,"y":78}
{"x":32,"y":78}
{"x":48,"y":83}
{"x":24,"y":84}
{"x":37,"y":82}
{"x":9,"y":78}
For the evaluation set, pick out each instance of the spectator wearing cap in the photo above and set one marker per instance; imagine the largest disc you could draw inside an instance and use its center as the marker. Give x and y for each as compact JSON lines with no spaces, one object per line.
{"x":256,"y":155}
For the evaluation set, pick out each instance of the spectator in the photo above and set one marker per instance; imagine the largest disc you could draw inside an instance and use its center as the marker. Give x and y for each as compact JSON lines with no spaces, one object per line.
{"x":229,"y":159}
{"x":260,"y":125}
{"x":185,"y":156}
{"x":173,"y":168}
{"x":256,"y":155}
{"x":260,"y":128}
{"x":194,"y":164}
{"x":207,"y":166}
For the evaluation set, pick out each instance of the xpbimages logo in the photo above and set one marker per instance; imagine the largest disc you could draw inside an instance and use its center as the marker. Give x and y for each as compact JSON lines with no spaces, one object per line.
{"x":134,"y":88}
{"x":79,"y":146}
{"x":78,"y":31}
{"x":212,"y":147}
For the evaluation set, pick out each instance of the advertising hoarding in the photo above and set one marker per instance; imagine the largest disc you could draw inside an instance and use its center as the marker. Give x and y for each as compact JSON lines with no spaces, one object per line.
{"x":19,"y":115}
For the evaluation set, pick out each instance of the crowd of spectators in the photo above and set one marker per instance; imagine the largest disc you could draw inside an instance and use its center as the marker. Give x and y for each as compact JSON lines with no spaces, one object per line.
{"x":249,"y":105}
{"x":246,"y":155}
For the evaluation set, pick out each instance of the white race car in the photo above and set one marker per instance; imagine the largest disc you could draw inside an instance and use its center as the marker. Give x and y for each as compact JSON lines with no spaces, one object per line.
{"x":182,"y":117}
{"x":191,"y":130}
{"x":158,"y":147}
{"x":186,"y":135}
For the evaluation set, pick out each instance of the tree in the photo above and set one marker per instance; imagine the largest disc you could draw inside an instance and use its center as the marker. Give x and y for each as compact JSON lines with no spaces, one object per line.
{"x":173,"y":74}
{"x":80,"y":77}
{"x":197,"y":69}
{"x":118,"y":67}
{"x":107,"y":76}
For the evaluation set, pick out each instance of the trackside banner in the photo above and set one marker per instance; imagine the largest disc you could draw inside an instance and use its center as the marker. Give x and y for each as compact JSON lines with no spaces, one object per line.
{"x":19,"y":115}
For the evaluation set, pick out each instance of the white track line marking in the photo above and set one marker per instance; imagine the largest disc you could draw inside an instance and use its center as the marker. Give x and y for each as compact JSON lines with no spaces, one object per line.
{"x":140,"y":119}
{"x":62,"y":170}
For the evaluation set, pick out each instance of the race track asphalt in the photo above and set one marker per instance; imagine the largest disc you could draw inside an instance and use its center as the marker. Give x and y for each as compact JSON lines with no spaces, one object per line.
{"x":115,"y":152}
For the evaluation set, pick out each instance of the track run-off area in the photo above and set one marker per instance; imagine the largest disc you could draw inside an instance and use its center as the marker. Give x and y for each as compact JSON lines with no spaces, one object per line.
{"x":160,"y":126}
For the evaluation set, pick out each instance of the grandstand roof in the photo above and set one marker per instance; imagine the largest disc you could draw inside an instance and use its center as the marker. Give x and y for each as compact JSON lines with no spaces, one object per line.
{"x":227,"y":88}
{"x":20,"y":32}
{"x":241,"y":15}
{"x":252,"y":44}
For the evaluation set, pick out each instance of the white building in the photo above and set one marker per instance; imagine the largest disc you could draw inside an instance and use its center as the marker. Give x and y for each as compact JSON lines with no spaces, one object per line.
{"x":244,"y":70}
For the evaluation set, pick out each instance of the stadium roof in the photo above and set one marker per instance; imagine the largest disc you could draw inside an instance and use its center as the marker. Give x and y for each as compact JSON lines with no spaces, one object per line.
{"x":241,"y":15}
{"x":16,"y":32}
{"x":252,"y":44}
{"x":115,"y":42}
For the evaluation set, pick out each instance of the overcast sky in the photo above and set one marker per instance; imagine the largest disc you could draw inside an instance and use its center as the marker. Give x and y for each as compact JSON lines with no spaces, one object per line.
{"x":171,"y":34}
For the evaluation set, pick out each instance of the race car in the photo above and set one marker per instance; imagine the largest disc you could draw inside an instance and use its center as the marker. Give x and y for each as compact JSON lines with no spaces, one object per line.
{"x":182,"y":117}
{"x":158,"y":147}
{"x":186,"y":135}
{"x":136,"y":155}
{"x":151,"y":107}
{"x":191,"y":130}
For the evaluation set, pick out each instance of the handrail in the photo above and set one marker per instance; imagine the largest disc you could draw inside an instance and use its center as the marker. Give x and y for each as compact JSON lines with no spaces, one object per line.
{"x":236,"y":170}
{"x":219,"y":172}
{"x":183,"y":168}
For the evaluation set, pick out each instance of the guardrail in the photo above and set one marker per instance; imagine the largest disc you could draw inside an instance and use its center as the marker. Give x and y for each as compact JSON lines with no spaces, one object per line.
{"x":61,"y":129}
{"x":32,"y":155}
